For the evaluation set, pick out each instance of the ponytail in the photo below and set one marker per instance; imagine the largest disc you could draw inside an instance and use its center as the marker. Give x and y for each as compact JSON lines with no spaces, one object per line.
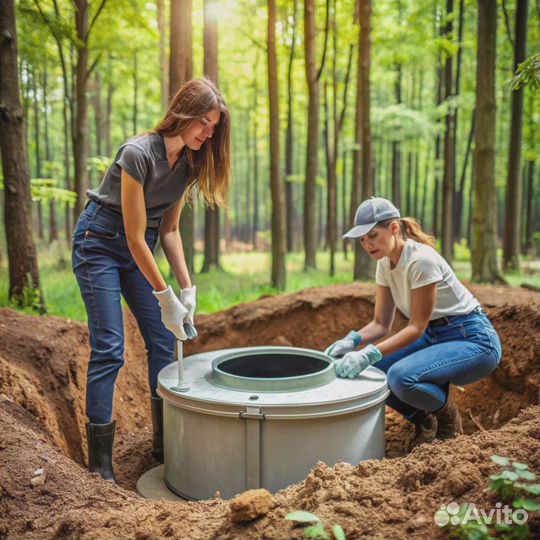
{"x":410,"y":228}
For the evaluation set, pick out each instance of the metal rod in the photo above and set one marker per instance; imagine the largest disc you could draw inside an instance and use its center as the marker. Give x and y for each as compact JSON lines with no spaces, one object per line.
{"x":181,"y":385}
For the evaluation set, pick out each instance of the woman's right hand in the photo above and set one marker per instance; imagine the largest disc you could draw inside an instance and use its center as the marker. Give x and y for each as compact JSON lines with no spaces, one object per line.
{"x":345,"y":345}
{"x":173,"y":312}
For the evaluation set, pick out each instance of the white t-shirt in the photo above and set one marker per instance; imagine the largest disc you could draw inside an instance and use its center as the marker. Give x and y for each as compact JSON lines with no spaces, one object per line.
{"x":421,"y":265}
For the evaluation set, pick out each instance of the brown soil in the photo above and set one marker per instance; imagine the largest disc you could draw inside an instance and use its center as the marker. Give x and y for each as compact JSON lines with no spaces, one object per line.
{"x":42,"y":387}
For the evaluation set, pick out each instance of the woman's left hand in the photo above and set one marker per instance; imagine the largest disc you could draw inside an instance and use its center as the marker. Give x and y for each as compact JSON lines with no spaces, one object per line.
{"x":188,"y":299}
{"x":353,"y":363}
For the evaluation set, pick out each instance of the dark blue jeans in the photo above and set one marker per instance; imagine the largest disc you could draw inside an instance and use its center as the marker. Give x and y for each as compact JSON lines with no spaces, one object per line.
{"x":105,"y":271}
{"x":461,"y":352}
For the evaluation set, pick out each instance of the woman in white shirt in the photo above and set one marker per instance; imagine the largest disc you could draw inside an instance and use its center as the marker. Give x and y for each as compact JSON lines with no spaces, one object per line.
{"x":448,"y":339}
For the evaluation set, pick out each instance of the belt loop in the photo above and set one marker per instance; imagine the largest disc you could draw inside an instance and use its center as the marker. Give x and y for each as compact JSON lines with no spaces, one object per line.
{"x":99,"y":206}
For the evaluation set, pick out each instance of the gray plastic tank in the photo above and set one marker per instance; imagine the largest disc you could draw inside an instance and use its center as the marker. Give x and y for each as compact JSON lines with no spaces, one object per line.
{"x":263,"y":417}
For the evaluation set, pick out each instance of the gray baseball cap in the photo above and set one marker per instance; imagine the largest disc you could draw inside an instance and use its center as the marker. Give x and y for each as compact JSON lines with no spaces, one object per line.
{"x":369,"y":213}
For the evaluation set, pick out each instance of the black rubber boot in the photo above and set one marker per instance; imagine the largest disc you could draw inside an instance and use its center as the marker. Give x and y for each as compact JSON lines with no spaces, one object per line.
{"x":425,"y":429}
{"x":100,"y":447}
{"x":448,"y":420}
{"x":157,"y":428}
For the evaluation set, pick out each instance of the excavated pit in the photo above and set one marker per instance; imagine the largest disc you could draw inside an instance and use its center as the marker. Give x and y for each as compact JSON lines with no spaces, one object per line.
{"x":42,"y":386}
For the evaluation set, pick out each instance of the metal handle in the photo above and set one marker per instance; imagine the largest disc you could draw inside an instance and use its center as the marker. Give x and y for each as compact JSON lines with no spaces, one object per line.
{"x":181,"y":386}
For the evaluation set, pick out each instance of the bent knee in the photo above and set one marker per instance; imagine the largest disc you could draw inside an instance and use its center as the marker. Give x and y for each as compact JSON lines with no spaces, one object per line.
{"x":399,"y":381}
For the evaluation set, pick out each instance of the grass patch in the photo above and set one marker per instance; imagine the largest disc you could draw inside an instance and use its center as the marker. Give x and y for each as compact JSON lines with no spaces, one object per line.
{"x":243,"y":277}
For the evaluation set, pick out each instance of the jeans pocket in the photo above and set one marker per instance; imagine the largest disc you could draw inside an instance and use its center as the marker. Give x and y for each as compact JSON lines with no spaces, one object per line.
{"x":494,"y":340}
{"x":100,"y":232}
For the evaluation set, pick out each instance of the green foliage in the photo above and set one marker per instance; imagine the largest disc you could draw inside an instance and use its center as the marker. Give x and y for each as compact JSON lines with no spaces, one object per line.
{"x":99,"y":164}
{"x":398,"y":122}
{"x":317,"y":528}
{"x":527,"y":74}
{"x":514,"y":480}
{"x":29,"y":301}
{"x":45,"y":190}
{"x":514,"y":485}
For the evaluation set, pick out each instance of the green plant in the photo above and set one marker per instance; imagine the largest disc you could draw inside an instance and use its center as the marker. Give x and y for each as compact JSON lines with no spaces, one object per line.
{"x":515,"y":485}
{"x":29,"y":300}
{"x":316,"y":527}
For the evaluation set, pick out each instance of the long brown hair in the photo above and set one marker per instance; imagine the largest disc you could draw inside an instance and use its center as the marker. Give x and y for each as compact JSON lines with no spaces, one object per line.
{"x":410,"y":228}
{"x":211,"y":165}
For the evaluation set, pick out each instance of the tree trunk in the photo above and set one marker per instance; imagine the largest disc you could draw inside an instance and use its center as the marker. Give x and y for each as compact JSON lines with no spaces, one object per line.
{"x":211,"y":215}
{"x":396,"y":151}
{"x":289,"y":143}
{"x":37,"y":148}
{"x":162,"y":30}
{"x":331,"y":179}
{"x":425,"y":190}
{"x":447,"y":236}
{"x":98,"y":113}
{"x":459,"y":194}
{"x":23,"y":265}
{"x":279,"y":248}
{"x":409,"y":185}
{"x":416,"y":167}
{"x":135,"y":91}
{"x":529,"y":221}
{"x":108,"y":113}
{"x":512,"y":222}
{"x":53,"y":228}
{"x":255,"y":157}
{"x":181,"y":43}
{"x":181,"y":71}
{"x":66,"y":111}
{"x":484,"y":226}
{"x":363,"y":265}
{"x":310,"y":185}
{"x":80,"y":131}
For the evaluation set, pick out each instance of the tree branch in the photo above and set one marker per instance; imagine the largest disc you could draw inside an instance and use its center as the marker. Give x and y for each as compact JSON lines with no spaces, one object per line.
{"x":347,"y":77}
{"x":58,"y":40}
{"x":326,"y":32}
{"x":98,"y":12}
{"x":507,"y":24}
{"x":254,"y":41}
{"x":94,"y":64}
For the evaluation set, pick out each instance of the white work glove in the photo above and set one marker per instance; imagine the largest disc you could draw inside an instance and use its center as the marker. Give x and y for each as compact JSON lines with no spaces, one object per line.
{"x":353,"y":363}
{"x":173,"y":312}
{"x":187,"y":297}
{"x":347,"y":344}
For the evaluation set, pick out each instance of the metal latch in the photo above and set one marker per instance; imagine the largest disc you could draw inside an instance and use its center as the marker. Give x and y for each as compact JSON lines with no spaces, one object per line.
{"x":252,"y":413}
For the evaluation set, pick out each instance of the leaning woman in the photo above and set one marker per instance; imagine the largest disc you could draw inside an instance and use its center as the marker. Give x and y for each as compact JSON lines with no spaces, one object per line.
{"x":448,"y":338}
{"x":140,"y":199}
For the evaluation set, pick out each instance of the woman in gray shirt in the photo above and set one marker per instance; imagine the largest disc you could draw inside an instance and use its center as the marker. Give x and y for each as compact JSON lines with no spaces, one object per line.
{"x":140,"y":198}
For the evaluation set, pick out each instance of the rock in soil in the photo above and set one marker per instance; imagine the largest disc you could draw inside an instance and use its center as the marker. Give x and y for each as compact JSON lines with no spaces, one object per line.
{"x":251,"y":504}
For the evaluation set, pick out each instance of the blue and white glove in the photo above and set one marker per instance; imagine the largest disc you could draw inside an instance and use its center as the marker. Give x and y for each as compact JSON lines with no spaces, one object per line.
{"x":347,"y":344}
{"x":353,"y":363}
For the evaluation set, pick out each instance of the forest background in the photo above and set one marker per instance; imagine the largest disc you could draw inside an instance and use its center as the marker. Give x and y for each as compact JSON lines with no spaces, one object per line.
{"x":432,"y":104}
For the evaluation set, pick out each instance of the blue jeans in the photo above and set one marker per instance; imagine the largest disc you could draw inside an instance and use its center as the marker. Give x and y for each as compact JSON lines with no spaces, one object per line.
{"x":461,"y":352}
{"x":105,"y":270}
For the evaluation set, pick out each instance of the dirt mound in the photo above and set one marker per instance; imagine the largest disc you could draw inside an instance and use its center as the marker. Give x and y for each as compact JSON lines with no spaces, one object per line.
{"x":391,"y":498}
{"x":42,"y":379}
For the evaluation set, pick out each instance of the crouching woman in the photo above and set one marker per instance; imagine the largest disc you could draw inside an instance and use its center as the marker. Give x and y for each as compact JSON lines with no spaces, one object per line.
{"x":448,"y":338}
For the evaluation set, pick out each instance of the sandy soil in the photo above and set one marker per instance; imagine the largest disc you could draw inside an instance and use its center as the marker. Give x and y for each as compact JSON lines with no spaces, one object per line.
{"x":42,"y":384}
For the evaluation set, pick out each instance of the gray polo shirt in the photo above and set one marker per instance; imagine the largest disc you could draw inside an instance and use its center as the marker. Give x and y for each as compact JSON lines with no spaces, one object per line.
{"x":144,"y":157}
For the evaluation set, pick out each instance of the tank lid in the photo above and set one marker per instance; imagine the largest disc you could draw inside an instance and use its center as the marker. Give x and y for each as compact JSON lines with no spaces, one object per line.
{"x":336,"y":396}
{"x":271,"y":369}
